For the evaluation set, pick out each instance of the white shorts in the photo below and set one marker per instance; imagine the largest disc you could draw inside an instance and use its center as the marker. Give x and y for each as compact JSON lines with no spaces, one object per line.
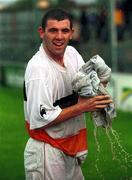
{"x":43,"y":162}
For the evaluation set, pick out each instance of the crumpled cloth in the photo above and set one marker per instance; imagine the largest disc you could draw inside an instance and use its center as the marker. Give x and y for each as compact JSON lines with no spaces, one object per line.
{"x":89,"y":82}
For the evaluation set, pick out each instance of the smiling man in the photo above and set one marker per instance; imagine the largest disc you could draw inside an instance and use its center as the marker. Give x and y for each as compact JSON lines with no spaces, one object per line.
{"x":54,"y":113}
{"x":56,"y":37}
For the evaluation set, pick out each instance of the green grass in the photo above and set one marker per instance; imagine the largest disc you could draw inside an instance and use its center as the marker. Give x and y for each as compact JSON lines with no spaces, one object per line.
{"x":13,"y":137}
{"x":12,"y":134}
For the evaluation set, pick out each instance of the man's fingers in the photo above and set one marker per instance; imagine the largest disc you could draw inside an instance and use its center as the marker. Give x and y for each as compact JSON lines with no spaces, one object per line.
{"x":104,"y":101}
{"x":96,"y":102}
{"x":101,"y":97}
{"x":101,"y":106}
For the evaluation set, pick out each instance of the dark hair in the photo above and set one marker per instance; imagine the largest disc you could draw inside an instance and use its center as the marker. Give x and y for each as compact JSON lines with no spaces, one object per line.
{"x":56,"y":14}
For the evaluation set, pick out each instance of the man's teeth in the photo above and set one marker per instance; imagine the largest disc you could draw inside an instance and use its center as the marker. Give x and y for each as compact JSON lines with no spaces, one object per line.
{"x":58,"y":44}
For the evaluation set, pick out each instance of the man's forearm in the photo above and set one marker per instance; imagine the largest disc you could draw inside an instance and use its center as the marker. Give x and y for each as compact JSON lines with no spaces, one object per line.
{"x":66,"y":114}
{"x":83,"y":105}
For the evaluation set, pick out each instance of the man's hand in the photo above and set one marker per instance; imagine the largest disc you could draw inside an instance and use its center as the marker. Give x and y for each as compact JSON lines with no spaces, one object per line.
{"x":94,"y":103}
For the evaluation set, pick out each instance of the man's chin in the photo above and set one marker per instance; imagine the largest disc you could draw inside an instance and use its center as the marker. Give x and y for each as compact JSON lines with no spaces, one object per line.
{"x":59,"y":51}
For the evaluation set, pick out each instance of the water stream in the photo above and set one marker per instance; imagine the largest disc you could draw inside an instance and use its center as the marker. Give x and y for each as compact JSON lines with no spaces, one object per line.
{"x":118,"y":152}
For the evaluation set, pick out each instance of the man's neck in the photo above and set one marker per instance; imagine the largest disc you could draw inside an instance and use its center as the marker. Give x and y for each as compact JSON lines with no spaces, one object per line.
{"x":58,"y":59}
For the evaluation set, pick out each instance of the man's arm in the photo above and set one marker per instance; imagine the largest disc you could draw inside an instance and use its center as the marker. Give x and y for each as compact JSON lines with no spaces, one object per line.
{"x":83,"y":105}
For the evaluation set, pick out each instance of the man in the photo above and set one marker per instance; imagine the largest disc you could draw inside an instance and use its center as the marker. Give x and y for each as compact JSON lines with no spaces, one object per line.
{"x":53,"y":112}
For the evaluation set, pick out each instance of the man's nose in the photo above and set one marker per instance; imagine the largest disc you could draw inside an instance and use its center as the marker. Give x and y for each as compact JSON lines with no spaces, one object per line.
{"x":59,"y":35}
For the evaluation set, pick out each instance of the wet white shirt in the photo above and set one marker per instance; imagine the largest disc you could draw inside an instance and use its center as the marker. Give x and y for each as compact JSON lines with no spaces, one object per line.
{"x":47,"y":86}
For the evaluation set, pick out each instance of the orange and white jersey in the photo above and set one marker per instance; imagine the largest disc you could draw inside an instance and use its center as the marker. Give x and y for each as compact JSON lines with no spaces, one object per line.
{"x":47,"y":90}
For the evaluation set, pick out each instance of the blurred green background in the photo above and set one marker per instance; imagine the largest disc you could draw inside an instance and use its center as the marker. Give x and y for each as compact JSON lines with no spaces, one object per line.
{"x":102,"y":27}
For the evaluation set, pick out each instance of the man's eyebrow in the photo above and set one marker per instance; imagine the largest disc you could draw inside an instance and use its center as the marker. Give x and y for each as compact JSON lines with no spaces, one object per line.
{"x":52,"y":29}
{"x":56,"y":29}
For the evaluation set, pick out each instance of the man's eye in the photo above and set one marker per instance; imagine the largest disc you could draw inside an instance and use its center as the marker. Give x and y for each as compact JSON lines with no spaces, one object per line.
{"x":65,"y":30}
{"x":53,"y":30}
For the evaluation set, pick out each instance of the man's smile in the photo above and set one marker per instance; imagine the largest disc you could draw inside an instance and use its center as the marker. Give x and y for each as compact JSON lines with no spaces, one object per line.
{"x":58,"y":43}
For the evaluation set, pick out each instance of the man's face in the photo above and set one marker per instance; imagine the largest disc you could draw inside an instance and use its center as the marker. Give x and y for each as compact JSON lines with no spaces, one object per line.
{"x":56,"y":37}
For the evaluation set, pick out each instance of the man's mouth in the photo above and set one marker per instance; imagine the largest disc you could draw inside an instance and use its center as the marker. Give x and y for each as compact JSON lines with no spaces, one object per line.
{"x":58,"y":44}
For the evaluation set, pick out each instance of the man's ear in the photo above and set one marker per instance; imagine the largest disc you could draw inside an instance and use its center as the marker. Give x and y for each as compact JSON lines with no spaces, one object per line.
{"x":41,"y":32}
